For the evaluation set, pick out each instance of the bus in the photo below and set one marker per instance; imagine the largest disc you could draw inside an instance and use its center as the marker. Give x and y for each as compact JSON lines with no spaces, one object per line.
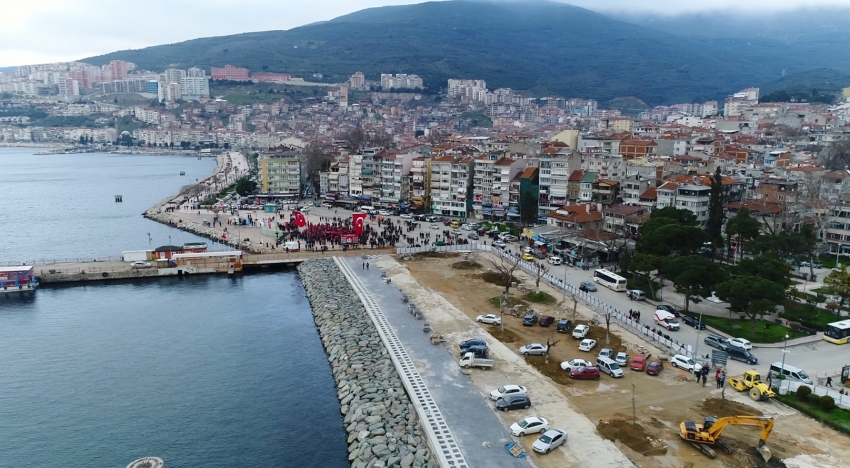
{"x":837,"y":332}
{"x":609,"y":280}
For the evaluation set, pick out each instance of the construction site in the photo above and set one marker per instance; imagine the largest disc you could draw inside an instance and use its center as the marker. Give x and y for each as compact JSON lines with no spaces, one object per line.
{"x":655,"y":421}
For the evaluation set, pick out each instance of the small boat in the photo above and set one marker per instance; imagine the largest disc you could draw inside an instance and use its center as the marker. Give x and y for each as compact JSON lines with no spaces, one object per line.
{"x":182,"y":172}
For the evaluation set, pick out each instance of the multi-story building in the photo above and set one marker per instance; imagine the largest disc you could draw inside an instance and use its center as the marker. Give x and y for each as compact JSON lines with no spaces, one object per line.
{"x":837,"y":235}
{"x":195,"y":85}
{"x":482,"y":195}
{"x":394,"y":168}
{"x":504,"y":171}
{"x":665,"y":195}
{"x":694,"y":198}
{"x":633,"y":148}
{"x":355,"y":179}
{"x":451,"y":178}
{"x":119,"y":69}
{"x":229,"y":72}
{"x":357,"y":81}
{"x":576,"y":218}
{"x":280,"y":173}
{"x":370,"y":173}
{"x":420,"y":184}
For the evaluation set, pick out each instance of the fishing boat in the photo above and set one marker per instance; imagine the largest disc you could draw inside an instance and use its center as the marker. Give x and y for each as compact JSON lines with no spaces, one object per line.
{"x":182,"y":172}
{"x":16,"y":279}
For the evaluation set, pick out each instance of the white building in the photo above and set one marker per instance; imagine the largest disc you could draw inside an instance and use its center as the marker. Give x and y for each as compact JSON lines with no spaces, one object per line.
{"x":195,"y":85}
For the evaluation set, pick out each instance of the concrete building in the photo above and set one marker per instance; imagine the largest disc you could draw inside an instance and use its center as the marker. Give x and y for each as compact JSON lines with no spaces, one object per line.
{"x":420,"y":184}
{"x":357,"y":81}
{"x":451,"y":178}
{"x":229,"y":72}
{"x":394,"y":168}
{"x":280,"y":173}
{"x":195,"y":85}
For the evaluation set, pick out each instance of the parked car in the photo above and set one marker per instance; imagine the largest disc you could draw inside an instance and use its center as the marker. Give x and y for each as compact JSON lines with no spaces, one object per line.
{"x":529,"y":425}
{"x":534,"y":349}
{"x":586,"y":344}
{"x":585,"y":373}
{"x":676,"y":312}
{"x":740,"y":354}
{"x":492,"y":319}
{"x":638,"y":363}
{"x":575,"y":364}
{"x":654,"y":368}
{"x":478,"y":351}
{"x":529,"y":320}
{"x":472,"y":236}
{"x":405,"y":216}
{"x":606,"y":353}
{"x":549,"y":440}
{"x":555,"y":260}
{"x":527,"y":257}
{"x":580,"y":331}
{"x":693,"y":321}
{"x":587,"y":286}
{"x":472,"y":342}
{"x":527,"y":249}
{"x":327,"y":205}
{"x":622,"y":359}
{"x":499,"y":244}
{"x":434,"y":226}
{"x":683,"y":362}
{"x":539,"y":255}
{"x":740,"y":342}
{"x":547,"y":320}
{"x":512,"y":402}
{"x":507,"y":390}
{"x":138,"y":264}
{"x":509,"y":238}
{"x":714,"y":341}
{"x":563,"y":326}
{"x":636,"y":294}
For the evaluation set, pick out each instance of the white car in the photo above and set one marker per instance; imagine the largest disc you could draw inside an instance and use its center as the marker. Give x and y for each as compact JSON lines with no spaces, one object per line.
{"x":384,"y":213}
{"x":140,"y":264}
{"x":580,"y":331}
{"x":683,"y":362}
{"x":622,"y":359}
{"x":492,"y":319}
{"x":499,"y":244}
{"x":529,"y":425}
{"x":507,"y":390}
{"x":527,"y":250}
{"x":555,"y":260}
{"x":586,"y":344}
{"x":535,"y":349}
{"x":574,"y":364}
{"x":549,"y":440}
{"x":406,"y":216}
{"x":327,"y":205}
{"x":435,"y":226}
{"x":740,"y":342}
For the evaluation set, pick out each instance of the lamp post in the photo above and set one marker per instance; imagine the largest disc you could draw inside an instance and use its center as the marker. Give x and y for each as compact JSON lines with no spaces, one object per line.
{"x":784,"y":351}
{"x":696,"y":349}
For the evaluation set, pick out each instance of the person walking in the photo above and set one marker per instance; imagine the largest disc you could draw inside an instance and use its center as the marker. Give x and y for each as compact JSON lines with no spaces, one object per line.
{"x":829,"y":381}
{"x":722,"y":379}
{"x":367,"y":265}
{"x":364,"y":265}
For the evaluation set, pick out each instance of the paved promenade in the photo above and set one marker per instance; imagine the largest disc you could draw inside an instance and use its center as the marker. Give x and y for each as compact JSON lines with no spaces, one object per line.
{"x":479,"y":433}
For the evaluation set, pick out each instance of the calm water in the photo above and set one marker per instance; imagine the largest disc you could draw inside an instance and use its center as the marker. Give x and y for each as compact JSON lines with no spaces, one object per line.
{"x":61,"y":206}
{"x":202,"y":371}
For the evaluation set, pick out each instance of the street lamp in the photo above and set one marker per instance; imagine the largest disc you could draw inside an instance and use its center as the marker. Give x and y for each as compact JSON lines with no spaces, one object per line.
{"x":696,"y":349}
{"x":784,"y":351}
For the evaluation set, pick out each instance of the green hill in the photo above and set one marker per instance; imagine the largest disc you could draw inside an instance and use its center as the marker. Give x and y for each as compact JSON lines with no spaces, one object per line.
{"x":541,"y":47}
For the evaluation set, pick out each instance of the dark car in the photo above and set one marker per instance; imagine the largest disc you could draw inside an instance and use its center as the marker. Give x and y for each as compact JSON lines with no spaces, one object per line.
{"x":740,"y":354}
{"x":563,"y":326}
{"x":472,"y":342}
{"x":587,"y":286}
{"x":529,"y":320}
{"x":715,"y":341}
{"x":671,"y":309}
{"x":585,"y":373}
{"x":511,"y":402}
{"x":540,"y":255}
{"x":693,"y":321}
{"x":481,"y":231}
{"x":654,"y":368}
{"x":547,"y":320}
{"x":478,"y":351}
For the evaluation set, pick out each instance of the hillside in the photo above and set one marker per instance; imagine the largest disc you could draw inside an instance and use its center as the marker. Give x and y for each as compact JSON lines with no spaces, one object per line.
{"x":542,"y":47}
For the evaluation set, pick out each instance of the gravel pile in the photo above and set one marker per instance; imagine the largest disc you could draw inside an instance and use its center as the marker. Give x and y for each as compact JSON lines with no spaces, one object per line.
{"x":381,"y":422}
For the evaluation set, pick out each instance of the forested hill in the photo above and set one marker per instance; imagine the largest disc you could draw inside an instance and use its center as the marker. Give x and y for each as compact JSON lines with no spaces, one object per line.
{"x":543,"y":47}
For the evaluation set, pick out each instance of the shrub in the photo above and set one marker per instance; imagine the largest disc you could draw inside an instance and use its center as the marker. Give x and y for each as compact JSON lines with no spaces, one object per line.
{"x":813,"y":398}
{"x":803,"y":391}
{"x":794,"y":326}
{"x":827,"y":403}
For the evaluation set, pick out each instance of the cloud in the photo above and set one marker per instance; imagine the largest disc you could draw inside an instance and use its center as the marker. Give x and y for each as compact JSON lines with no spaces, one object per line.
{"x":38,"y":31}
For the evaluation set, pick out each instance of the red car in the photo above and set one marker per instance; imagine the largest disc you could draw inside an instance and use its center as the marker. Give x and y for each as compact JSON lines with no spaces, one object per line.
{"x":585,"y":373}
{"x":638,"y":363}
{"x":654,"y":368}
{"x":546,"y":321}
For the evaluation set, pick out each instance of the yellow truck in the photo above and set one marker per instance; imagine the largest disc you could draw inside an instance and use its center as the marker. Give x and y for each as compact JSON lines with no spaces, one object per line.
{"x":751,"y":382}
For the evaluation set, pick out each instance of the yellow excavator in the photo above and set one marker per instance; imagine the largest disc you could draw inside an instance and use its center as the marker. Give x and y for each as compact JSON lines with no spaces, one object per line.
{"x":751,"y":382}
{"x":703,"y":436}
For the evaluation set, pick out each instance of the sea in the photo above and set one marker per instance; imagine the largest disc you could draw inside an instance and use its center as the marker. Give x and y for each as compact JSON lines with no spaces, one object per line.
{"x":201,"y":371}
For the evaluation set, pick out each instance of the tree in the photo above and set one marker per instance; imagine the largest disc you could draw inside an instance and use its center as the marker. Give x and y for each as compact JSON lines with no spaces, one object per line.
{"x":245,"y":186}
{"x":685,"y":217}
{"x":355,"y":139}
{"x":716,"y":207}
{"x":694,"y":275}
{"x":839,"y":283}
{"x":752,"y":295}
{"x":766,"y":267}
{"x":625,"y":261}
{"x":664,"y":237}
{"x":317,"y":158}
{"x":549,"y":345}
{"x":647,"y":263}
{"x":607,"y":316}
{"x":505,"y":266}
{"x":528,"y":206}
{"x":539,"y":273}
{"x":742,"y":227}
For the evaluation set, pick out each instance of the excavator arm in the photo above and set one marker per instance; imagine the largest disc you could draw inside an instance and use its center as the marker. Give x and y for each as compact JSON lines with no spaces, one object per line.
{"x":766,"y":425}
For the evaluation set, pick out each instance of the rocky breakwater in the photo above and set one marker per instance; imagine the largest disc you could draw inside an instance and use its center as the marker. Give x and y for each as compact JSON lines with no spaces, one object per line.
{"x":381,"y":422}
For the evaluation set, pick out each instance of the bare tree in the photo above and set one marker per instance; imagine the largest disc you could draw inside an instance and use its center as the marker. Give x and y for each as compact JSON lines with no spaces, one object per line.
{"x":317,"y":158}
{"x":355,"y":139}
{"x":549,"y":345}
{"x":505,"y":266}
{"x":539,"y":272}
{"x":607,"y":316}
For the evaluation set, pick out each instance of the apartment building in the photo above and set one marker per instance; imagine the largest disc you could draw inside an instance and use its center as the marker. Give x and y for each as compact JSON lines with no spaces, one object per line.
{"x":229,"y":72}
{"x":576,"y":218}
{"x":694,"y":198}
{"x":607,"y":166}
{"x":355,"y":179}
{"x":633,"y":148}
{"x":280,"y":173}
{"x":556,"y":163}
{"x":451,"y":178}
{"x":837,"y":235}
{"x":420,"y":184}
{"x":504,"y":171}
{"x":482,"y":188}
{"x":370,"y":172}
{"x":394,"y":168}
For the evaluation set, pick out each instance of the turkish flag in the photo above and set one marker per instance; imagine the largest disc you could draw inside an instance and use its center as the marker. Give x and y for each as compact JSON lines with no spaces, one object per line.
{"x":358,"y":219}
{"x":300,"y":220}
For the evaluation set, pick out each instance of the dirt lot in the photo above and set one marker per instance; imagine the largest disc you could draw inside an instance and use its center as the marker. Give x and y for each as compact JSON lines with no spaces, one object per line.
{"x":658,"y":403}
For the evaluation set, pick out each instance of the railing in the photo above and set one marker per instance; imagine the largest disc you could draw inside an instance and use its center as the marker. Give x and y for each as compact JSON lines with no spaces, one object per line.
{"x":791,"y":386}
{"x":53,"y":261}
{"x":439,"y":248}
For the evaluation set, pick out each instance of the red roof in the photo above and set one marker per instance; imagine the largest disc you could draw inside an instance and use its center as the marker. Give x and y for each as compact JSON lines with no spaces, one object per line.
{"x":576,"y":176}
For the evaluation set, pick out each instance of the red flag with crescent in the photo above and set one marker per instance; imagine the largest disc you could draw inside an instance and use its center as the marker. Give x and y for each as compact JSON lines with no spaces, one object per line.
{"x":358,"y":219}
{"x":300,"y":220}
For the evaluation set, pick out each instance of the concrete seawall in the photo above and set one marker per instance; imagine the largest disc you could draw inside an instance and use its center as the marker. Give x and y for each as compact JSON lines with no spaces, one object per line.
{"x":381,"y":422}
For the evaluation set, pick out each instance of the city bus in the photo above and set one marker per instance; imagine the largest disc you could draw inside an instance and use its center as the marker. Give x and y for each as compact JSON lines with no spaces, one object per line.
{"x":609,"y":280}
{"x":837,"y":332}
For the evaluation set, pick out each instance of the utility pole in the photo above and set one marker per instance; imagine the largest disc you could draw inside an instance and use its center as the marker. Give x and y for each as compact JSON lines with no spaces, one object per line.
{"x":634,"y":408}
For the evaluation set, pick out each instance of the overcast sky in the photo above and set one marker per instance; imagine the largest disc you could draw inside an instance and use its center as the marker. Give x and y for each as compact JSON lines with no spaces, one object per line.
{"x":40,"y":31}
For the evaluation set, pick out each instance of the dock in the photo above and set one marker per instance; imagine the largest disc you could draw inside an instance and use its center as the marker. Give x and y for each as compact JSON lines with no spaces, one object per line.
{"x":74,"y":272}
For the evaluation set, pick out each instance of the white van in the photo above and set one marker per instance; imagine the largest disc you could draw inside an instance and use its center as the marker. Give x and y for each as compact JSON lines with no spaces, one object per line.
{"x":790,"y":373}
{"x":666,"y":319}
{"x":610,"y":367}
{"x":367,"y":209}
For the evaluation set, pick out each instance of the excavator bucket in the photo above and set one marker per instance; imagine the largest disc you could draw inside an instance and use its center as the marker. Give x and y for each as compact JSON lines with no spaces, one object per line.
{"x":765,"y":453}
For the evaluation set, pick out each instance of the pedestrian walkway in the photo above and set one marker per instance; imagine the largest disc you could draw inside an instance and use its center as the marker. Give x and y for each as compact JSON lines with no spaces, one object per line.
{"x":457,"y":419}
